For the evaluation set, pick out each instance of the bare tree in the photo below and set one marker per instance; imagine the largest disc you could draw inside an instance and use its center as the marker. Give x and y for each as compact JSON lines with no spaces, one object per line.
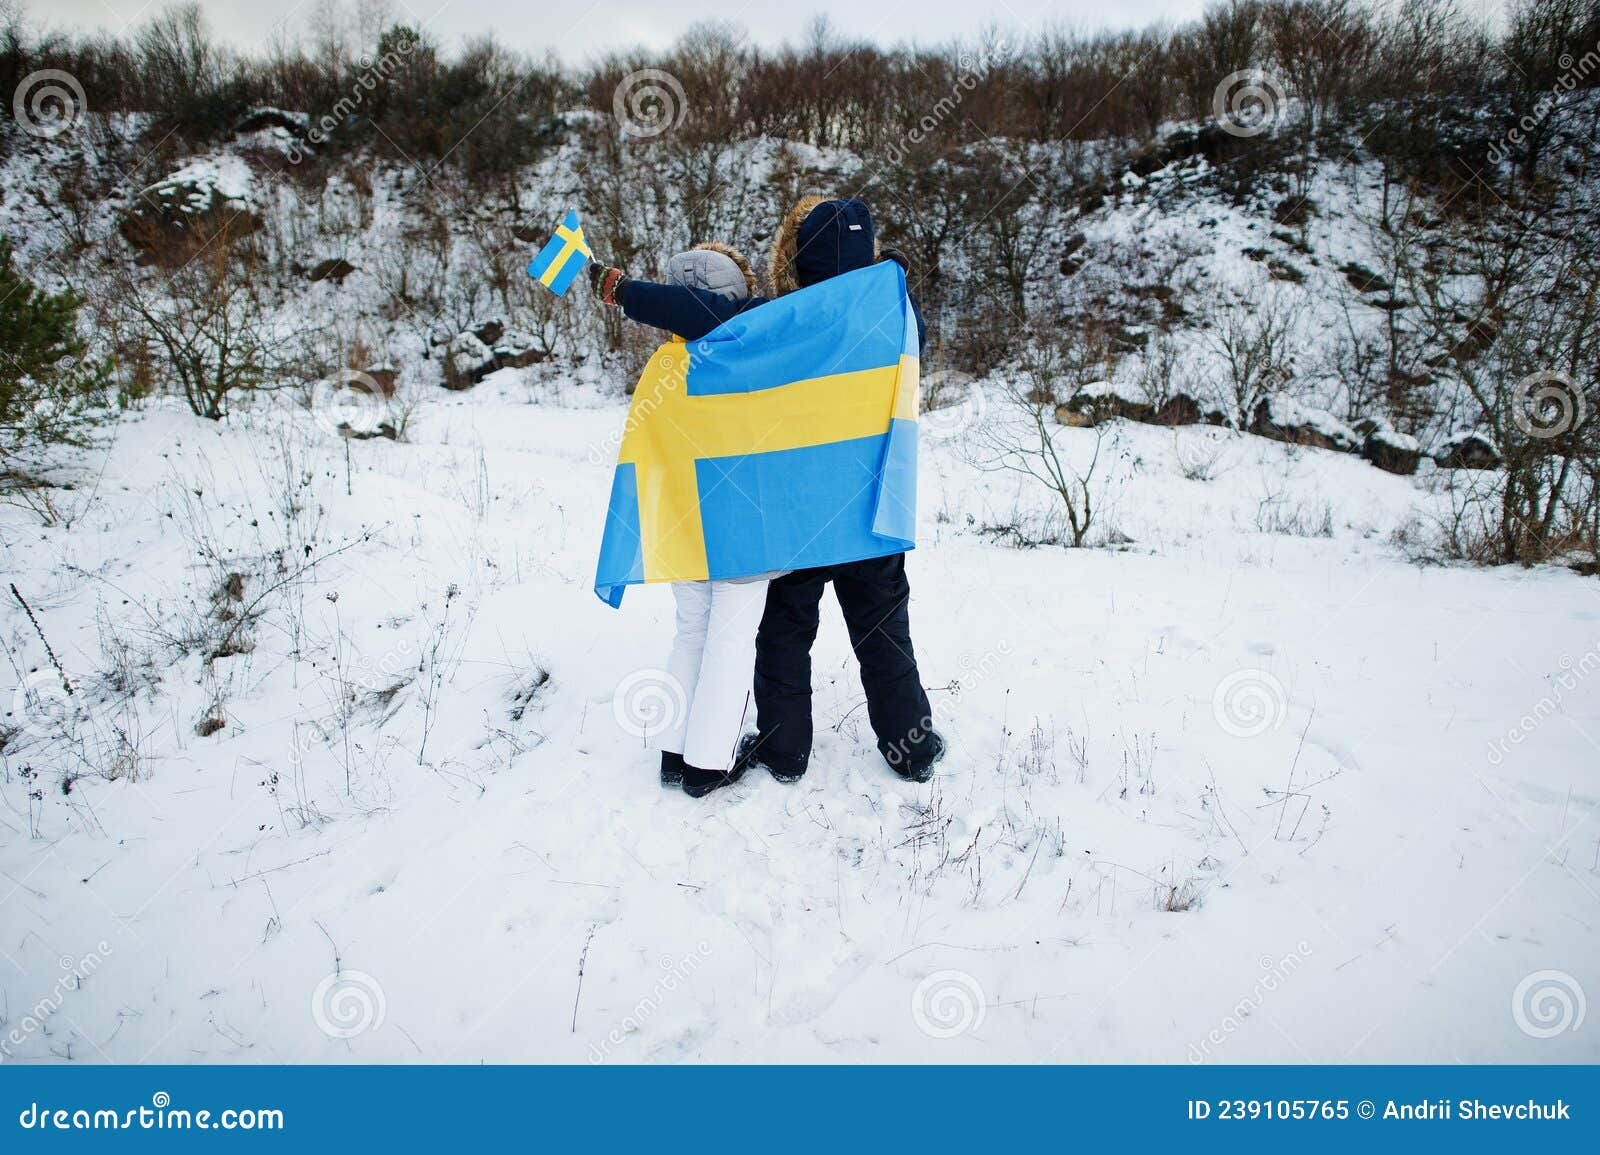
{"x":1322,"y":46}
{"x":1510,"y":301}
{"x":1023,"y":437}
{"x":207,"y":327}
{"x":1256,"y":338}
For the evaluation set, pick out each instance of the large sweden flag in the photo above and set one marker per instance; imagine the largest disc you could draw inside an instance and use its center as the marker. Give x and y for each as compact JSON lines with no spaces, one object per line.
{"x":785,"y":438}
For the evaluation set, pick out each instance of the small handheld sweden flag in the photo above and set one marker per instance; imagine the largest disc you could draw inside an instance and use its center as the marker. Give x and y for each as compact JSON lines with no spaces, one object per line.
{"x":559,"y":262}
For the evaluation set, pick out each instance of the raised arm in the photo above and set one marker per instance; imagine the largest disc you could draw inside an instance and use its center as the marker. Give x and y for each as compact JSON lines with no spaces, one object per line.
{"x":690,"y":313}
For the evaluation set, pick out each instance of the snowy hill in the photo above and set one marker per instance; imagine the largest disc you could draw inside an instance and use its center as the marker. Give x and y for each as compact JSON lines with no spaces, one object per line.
{"x":319,"y":748}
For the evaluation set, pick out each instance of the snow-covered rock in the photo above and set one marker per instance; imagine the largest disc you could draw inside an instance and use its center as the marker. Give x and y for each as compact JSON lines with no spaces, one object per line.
{"x":1283,"y":418}
{"x":1102,"y":401}
{"x":266,"y":118}
{"x":1392,"y":451}
{"x":516,"y":350}
{"x":1467,"y":449}
{"x":174,"y":218}
{"x":467,"y":361}
{"x":330,"y":269}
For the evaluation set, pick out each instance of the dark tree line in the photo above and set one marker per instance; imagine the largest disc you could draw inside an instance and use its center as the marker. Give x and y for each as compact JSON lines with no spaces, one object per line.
{"x":485,"y":106}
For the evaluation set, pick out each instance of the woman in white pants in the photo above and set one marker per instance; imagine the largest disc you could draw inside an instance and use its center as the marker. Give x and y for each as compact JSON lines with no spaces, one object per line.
{"x":714,"y":651}
{"x":713,"y":657}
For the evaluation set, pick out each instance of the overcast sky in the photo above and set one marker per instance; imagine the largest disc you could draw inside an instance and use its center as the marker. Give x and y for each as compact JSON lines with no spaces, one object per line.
{"x":578,"y":30}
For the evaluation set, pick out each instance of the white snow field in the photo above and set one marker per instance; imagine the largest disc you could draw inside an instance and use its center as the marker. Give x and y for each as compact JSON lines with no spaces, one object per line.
{"x":1247,"y":786}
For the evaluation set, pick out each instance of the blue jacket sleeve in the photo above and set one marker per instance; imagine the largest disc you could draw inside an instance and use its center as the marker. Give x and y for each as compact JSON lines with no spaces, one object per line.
{"x":690,"y":313}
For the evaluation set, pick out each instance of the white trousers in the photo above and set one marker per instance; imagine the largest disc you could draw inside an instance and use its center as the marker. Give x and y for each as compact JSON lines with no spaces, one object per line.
{"x":713,"y":658}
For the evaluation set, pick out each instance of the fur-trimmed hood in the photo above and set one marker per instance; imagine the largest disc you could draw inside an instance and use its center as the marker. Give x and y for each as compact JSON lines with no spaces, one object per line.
{"x":821,"y":238}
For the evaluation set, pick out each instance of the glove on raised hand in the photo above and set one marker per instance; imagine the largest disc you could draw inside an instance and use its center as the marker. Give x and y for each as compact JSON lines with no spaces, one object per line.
{"x":607,"y":283}
{"x":897,"y":257}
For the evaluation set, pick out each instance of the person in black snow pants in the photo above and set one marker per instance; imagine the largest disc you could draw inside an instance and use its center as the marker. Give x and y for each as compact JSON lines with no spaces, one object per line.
{"x":818,"y":239}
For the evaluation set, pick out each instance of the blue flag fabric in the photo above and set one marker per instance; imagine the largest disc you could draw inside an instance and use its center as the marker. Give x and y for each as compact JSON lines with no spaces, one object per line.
{"x":785,"y":438}
{"x":559,"y":262}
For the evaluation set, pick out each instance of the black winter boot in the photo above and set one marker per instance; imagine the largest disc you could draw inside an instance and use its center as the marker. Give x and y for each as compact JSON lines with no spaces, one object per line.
{"x":671,"y":768}
{"x":920,"y":768}
{"x":697,"y":783}
{"x":750,"y":755}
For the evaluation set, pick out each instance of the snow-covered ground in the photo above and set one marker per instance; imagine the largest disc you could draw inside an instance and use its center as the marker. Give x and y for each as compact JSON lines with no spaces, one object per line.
{"x":427,"y":827}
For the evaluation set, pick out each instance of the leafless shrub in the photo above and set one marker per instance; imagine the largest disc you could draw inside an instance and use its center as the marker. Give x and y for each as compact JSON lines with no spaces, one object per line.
{"x":1024,"y":438}
{"x":1514,"y":317}
{"x":1256,"y":338}
{"x":208,"y":326}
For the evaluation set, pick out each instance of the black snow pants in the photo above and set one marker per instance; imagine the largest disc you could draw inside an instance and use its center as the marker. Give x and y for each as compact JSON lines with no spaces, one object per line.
{"x":874,"y":596}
